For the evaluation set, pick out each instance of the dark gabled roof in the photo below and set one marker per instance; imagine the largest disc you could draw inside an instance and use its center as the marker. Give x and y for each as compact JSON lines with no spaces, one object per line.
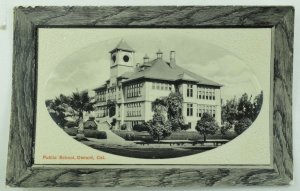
{"x":125,"y":75}
{"x":104,"y":86}
{"x":122,"y":45}
{"x":161,"y":70}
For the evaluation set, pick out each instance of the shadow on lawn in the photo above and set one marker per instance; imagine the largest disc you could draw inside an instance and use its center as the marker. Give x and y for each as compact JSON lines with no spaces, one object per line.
{"x":149,"y":151}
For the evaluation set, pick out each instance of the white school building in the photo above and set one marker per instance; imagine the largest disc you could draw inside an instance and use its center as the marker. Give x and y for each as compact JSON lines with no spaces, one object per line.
{"x":133,"y":87}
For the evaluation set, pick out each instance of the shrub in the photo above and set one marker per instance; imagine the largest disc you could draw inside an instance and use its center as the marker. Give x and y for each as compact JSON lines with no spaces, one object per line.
{"x":90,"y":124}
{"x":130,"y":136}
{"x":71,"y":131}
{"x":140,"y":127}
{"x":114,"y":121}
{"x":242,"y":125}
{"x":123,"y":127}
{"x":95,"y":134}
{"x":71,"y":124}
{"x":185,"y":126}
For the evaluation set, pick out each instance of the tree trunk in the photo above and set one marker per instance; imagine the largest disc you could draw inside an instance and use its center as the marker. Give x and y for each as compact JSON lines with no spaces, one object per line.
{"x":204,"y":137}
{"x":80,"y":134}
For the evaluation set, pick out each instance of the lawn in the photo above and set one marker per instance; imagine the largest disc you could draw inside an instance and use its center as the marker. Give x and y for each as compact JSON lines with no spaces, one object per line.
{"x":148,"y":151}
{"x":152,"y":150}
{"x":179,"y":135}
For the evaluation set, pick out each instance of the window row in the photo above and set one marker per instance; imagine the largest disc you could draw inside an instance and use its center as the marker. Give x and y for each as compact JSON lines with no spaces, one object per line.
{"x":131,"y":124}
{"x":112,"y":94}
{"x":101,"y":112}
{"x":133,"y":109}
{"x":201,"y":109}
{"x":134,"y":90}
{"x":210,"y":109}
{"x":101,"y":96}
{"x":206,"y":93}
{"x":203,"y":93}
{"x":161,"y":86}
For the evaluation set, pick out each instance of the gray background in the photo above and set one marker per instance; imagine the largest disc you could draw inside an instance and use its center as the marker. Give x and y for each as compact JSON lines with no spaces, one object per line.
{"x":6,"y":38}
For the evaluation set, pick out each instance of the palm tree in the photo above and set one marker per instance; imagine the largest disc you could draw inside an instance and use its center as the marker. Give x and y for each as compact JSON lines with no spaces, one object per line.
{"x":81,"y":102}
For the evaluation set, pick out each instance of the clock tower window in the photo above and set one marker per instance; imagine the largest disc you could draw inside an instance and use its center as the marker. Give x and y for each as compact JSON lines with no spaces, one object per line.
{"x":126,"y":58}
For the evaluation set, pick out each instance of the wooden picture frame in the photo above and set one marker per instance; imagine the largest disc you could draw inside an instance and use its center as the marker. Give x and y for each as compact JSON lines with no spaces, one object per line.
{"x":21,"y":171}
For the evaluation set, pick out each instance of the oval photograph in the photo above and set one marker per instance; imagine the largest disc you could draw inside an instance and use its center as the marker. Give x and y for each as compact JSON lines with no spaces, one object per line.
{"x":154,"y":94}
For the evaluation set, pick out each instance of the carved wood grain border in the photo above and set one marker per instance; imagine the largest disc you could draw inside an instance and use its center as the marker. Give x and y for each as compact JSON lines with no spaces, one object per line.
{"x":20,"y":171}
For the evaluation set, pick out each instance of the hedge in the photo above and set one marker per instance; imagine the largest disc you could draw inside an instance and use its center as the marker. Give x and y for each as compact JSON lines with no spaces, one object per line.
{"x":133,"y":135}
{"x":140,"y":127}
{"x":71,"y":131}
{"x":95,"y":134}
{"x":87,"y":133}
{"x":71,"y":124}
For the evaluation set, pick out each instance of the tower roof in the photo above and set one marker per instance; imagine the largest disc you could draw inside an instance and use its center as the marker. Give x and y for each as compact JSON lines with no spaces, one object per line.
{"x":122,"y":45}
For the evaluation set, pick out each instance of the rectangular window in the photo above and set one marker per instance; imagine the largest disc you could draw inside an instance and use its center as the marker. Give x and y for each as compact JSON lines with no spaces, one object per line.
{"x":214,"y":111}
{"x":134,"y":90}
{"x":199,"y":93}
{"x":166,"y":86}
{"x":189,"y":109}
{"x":153,"y":85}
{"x":213,"y":94}
{"x":189,"y":90}
{"x":206,"y":94}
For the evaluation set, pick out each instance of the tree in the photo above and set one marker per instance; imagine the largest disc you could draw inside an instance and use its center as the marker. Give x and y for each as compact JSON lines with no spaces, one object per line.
{"x":206,"y":125}
{"x":245,"y":107}
{"x":175,"y":104}
{"x":159,"y":105}
{"x":240,"y":114}
{"x":158,"y":127}
{"x":229,"y":111}
{"x":81,"y":102}
{"x":257,"y":104}
{"x":225,"y":127}
{"x":171,"y":106}
{"x":58,"y":108}
{"x":242,"y":125}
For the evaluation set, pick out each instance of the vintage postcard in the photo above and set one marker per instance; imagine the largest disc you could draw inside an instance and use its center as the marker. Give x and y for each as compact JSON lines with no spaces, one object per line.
{"x":151,"y":96}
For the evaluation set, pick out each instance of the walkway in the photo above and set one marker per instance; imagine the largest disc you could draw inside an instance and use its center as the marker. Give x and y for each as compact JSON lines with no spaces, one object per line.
{"x":112,"y":138}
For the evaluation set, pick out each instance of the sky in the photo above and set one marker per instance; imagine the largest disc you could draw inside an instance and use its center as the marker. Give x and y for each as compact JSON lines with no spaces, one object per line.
{"x":78,"y":59}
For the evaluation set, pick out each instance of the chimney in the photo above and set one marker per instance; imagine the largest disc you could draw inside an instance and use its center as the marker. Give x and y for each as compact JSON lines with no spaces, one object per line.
{"x":159,"y":54}
{"x":146,"y":58}
{"x":172,"y":59}
{"x":137,"y":67}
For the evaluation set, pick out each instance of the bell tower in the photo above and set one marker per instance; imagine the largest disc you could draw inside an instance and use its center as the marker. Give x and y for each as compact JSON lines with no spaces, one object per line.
{"x":121,"y":60}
